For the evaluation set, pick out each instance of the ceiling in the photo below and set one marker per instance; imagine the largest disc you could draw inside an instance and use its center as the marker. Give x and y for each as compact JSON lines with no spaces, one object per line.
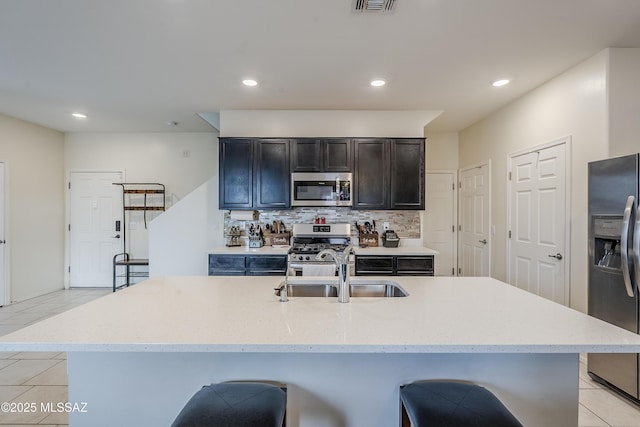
{"x":135,"y":65}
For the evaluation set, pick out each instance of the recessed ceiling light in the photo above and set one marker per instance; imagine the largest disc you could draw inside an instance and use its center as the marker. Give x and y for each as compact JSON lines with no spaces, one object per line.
{"x":500,"y":82}
{"x":79,"y":115}
{"x":249,"y":82}
{"x":377,"y":82}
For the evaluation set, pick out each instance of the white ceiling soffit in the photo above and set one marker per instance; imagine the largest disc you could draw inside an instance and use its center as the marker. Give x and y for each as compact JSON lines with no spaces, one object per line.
{"x":373,"y":5}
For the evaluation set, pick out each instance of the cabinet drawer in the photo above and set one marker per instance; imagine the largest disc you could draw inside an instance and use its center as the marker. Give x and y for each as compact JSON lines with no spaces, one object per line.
{"x":233,"y":262}
{"x":381,"y":265}
{"x":414,"y":264}
{"x":226,"y":265}
{"x":265,"y":265}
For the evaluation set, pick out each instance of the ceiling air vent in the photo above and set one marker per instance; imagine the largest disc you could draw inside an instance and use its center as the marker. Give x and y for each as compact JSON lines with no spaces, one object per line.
{"x":373,"y":5}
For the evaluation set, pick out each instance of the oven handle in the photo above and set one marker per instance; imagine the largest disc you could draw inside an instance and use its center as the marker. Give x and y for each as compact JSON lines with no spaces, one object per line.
{"x":300,"y":264}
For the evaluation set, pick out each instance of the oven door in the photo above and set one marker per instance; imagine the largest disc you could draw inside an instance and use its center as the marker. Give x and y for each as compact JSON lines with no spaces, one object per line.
{"x":312,"y":268}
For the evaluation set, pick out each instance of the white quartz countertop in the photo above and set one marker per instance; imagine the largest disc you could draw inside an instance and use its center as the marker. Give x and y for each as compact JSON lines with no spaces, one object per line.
{"x":274,"y":250}
{"x":242,"y":314}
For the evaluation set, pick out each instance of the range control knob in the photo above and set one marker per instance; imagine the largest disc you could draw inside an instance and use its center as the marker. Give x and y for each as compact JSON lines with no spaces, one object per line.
{"x":307,"y":258}
{"x":300,"y":257}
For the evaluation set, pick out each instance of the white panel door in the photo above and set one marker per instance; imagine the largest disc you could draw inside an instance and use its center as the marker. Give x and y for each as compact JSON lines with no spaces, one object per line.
{"x":95,"y":206}
{"x":537,"y":221}
{"x":4,"y":291}
{"x":440,"y":221}
{"x":475,"y":251}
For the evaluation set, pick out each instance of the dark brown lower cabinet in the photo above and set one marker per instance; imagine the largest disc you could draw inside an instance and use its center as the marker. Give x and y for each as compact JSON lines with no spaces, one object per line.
{"x":247,"y":265}
{"x":394,"y":265}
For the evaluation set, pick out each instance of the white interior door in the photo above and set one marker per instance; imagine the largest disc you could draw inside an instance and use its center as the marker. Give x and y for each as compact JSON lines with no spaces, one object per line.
{"x":440,"y":221}
{"x":538,"y":222}
{"x":474,"y":222}
{"x":95,"y":206}
{"x":4,"y":291}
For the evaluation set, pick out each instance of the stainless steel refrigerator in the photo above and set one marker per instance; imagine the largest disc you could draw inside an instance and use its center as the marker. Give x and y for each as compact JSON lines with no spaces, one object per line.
{"x":614,"y":264}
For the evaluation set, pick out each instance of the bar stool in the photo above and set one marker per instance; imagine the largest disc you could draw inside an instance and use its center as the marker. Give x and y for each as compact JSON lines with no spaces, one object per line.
{"x":452,"y":403}
{"x":235,"y":404}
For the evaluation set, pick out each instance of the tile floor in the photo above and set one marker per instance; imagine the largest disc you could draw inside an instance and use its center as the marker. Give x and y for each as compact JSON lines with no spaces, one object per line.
{"x":42,"y":377}
{"x":37,"y":377}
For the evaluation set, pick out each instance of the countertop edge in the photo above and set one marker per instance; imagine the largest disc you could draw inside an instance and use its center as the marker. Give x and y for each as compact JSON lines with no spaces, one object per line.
{"x":317,"y":349}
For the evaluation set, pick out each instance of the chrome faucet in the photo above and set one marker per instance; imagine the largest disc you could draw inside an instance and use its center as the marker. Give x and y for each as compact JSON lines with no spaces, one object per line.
{"x":342,"y":263}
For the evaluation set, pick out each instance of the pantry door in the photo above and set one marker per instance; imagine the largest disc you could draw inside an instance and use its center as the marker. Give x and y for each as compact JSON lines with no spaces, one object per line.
{"x":95,"y":208}
{"x":538,"y":222}
{"x":474,"y":221}
{"x":440,"y":220}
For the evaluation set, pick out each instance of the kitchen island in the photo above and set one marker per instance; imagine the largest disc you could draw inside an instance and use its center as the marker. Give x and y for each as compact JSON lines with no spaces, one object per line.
{"x":135,"y":357}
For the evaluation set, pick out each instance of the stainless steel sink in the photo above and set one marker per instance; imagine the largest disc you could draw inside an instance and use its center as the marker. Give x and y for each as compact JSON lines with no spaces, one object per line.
{"x":358,"y":288}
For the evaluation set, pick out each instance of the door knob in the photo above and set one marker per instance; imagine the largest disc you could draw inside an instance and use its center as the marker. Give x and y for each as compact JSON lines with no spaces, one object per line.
{"x":556,"y":256}
{"x":483,"y":241}
{"x":117,"y":236}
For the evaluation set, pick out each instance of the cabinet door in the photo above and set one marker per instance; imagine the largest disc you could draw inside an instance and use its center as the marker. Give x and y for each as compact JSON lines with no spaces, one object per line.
{"x":380,"y":265}
{"x":236,"y":173}
{"x":306,"y":155}
{"x":272,"y":180}
{"x":414,"y":265}
{"x":407,"y":174}
{"x":371,"y":178}
{"x":337,"y":155}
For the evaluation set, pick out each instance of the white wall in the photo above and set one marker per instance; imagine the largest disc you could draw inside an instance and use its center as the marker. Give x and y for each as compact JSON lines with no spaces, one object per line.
{"x":180,"y":161}
{"x":324,"y":123}
{"x":180,"y":238}
{"x":442,"y":151}
{"x":573,"y":104}
{"x":147,"y":157}
{"x":624,"y":102}
{"x":35,"y":198}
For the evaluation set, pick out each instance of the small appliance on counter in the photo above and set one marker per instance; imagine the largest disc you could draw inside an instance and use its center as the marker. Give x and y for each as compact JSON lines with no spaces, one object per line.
{"x":390,"y":239}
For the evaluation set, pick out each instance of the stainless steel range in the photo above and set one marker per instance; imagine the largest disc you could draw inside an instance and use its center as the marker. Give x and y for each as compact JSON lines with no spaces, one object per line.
{"x":309,"y":239}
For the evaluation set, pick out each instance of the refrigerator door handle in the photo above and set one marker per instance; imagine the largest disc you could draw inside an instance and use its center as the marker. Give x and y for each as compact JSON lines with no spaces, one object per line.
{"x":629,"y":210}
{"x":635,"y":250}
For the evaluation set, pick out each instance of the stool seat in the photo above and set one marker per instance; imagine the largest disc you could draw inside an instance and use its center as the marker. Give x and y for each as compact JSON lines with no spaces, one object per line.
{"x":453,"y":403}
{"x":235,"y":404}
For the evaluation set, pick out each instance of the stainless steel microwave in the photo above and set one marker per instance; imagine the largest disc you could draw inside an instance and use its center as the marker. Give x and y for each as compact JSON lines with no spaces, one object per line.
{"x":321,"y":189}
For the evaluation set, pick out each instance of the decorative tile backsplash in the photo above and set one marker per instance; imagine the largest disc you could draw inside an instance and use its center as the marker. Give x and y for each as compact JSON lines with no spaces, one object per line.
{"x":405,"y":223}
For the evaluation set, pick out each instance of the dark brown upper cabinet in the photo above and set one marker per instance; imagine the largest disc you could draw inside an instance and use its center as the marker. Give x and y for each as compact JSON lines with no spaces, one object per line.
{"x":389,"y":173}
{"x":321,"y":155}
{"x":254,"y":173}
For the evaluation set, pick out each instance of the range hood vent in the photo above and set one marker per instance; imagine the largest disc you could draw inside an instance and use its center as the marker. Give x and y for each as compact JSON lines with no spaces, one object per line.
{"x":373,"y":5}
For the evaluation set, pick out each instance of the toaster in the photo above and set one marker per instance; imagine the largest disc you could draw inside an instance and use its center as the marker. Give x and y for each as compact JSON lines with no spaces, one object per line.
{"x":390,"y":239}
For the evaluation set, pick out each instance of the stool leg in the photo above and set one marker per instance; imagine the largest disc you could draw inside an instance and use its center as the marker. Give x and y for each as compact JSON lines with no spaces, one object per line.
{"x":405,"y":418}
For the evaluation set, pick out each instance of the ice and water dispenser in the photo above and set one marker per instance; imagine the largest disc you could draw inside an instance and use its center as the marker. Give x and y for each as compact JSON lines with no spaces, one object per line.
{"x":606,"y":241}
